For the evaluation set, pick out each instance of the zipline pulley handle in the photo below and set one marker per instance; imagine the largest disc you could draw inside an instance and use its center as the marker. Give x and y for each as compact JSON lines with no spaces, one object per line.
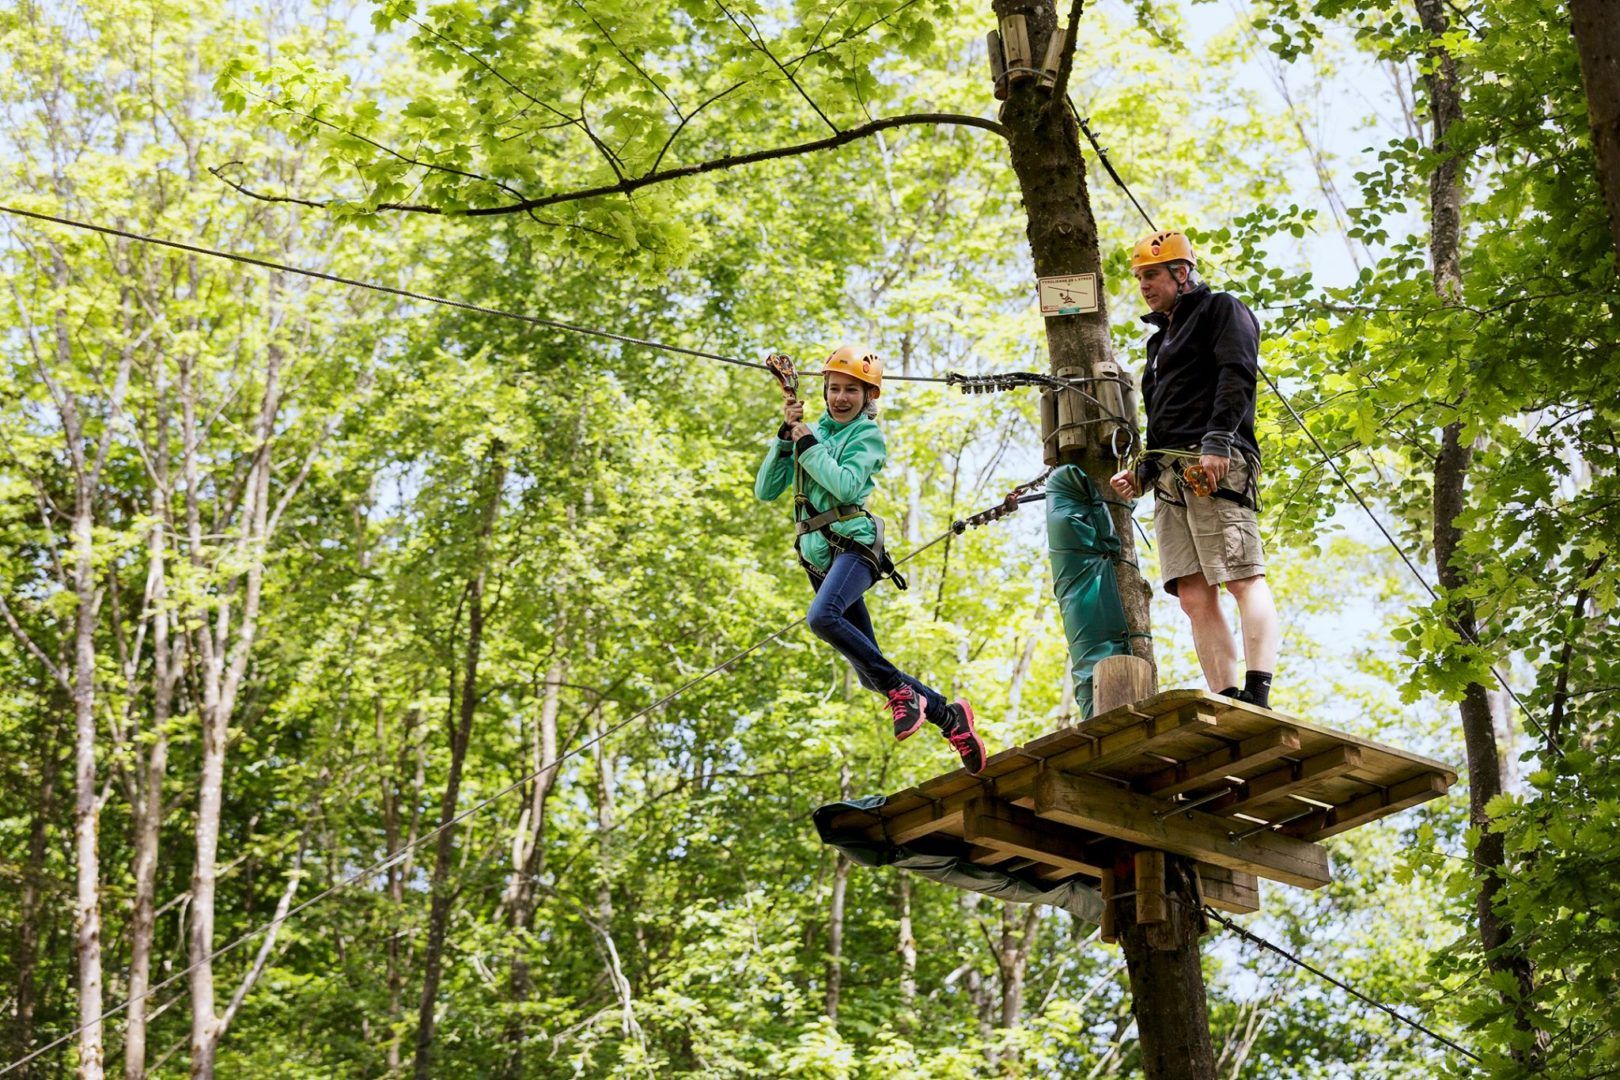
{"x":781,"y":366}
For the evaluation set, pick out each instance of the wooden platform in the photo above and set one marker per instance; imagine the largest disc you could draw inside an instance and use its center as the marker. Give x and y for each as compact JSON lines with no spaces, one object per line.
{"x":1244,"y":791}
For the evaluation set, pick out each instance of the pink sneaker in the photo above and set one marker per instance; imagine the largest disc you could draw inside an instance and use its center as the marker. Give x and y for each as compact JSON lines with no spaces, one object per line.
{"x":959,"y":731}
{"x":908,"y":709}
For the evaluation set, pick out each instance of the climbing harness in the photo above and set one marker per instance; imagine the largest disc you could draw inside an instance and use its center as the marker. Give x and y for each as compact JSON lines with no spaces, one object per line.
{"x":1190,"y":476}
{"x":806,"y":518}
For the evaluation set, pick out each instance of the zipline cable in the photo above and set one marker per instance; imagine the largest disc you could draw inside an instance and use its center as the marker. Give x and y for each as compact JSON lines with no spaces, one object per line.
{"x":408,"y":294}
{"x":1299,"y":961}
{"x":400,"y":852}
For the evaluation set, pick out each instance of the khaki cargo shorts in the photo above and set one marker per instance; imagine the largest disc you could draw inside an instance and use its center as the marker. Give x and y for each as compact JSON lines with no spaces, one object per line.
{"x":1202,"y":534}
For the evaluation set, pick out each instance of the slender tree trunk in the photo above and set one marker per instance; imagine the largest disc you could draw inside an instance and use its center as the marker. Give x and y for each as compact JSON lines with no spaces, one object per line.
{"x":1596,"y":24}
{"x":460,"y":737}
{"x":1450,"y":486}
{"x":835,"y":910}
{"x":1044,"y":142}
{"x":224,"y":652}
{"x":1019,"y":925}
{"x":400,"y":872}
{"x":529,"y":852}
{"x":87,"y":799}
{"x":30,"y":909}
{"x":907,"y":948}
{"x":147,"y":811}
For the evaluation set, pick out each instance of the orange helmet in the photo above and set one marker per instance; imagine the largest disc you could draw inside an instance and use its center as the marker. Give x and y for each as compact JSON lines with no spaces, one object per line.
{"x":1161,"y":248}
{"x":858,"y":362}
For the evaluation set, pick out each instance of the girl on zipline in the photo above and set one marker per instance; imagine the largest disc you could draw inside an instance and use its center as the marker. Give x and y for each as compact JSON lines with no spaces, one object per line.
{"x":840,"y":544}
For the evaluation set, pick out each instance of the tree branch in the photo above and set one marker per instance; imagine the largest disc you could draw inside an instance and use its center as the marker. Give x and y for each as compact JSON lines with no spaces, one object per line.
{"x":1061,"y":90}
{"x":636,"y":183}
{"x":27,"y":642}
{"x":766,"y":49}
{"x":626,"y":58}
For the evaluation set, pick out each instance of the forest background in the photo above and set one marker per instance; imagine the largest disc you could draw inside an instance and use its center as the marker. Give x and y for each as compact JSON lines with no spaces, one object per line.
{"x":293,"y":572}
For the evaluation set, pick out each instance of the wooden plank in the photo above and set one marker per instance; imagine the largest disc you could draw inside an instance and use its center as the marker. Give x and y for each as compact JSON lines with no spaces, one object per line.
{"x":1231,"y":891}
{"x":985,"y":855}
{"x":1151,"y":904}
{"x":932,"y":818}
{"x":1369,"y":807}
{"x":1204,"y":837}
{"x":1275,"y":784}
{"x":1229,"y":760}
{"x":1248,"y":719}
{"x":1106,"y":929}
{"x":1131,"y":742}
{"x":1122,"y":745}
{"x":1016,"y":830}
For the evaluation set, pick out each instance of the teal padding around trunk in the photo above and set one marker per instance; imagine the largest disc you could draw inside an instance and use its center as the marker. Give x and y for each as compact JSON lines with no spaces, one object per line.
{"x":1080,"y":534}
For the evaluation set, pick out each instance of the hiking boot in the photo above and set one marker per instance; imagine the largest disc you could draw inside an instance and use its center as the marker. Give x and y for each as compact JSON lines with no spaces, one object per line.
{"x":908,"y":709}
{"x":959,"y":731}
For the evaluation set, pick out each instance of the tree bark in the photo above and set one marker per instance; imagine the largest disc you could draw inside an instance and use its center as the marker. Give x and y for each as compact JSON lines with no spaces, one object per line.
{"x":1596,"y":24}
{"x":223,"y":652}
{"x":460,"y":737}
{"x":529,"y":851}
{"x":907,"y":948}
{"x":87,"y":797}
{"x":1019,"y":926}
{"x":835,"y":909}
{"x":1044,"y":141}
{"x":146,"y":811}
{"x":1167,"y":984}
{"x":1450,"y":485}
{"x":31,"y":902}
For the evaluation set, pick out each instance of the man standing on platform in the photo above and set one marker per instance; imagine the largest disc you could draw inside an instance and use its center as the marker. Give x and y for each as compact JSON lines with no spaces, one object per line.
{"x":1203,"y":463}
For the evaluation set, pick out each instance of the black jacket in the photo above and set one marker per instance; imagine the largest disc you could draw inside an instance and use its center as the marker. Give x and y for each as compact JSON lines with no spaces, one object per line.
{"x":1200,"y":377}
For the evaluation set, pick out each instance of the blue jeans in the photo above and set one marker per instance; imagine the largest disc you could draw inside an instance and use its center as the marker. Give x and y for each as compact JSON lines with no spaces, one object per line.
{"x":839,"y":617}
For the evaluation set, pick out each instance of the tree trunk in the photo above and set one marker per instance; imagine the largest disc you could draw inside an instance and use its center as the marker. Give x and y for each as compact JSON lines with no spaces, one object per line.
{"x":1044,"y":141}
{"x":223,"y":652}
{"x":147,"y":821}
{"x":1597,"y":40}
{"x":31,"y":902}
{"x":1019,"y":925}
{"x":460,"y":737}
{"x":87,"y":800}
{"x":146,"y":813}
{"x":1167,"y":984}
{"x":907,"y":947}
{"x":1502,"y":953}
{"x":835,"y":909}
{"x":1450,"y":484}
{"x":400,"y":872}
{"x":529,"y":852}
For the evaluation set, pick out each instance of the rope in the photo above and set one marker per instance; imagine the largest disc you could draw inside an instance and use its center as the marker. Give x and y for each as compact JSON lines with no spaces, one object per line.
{"x":1246,"y":935}
{"x":394,"y":856}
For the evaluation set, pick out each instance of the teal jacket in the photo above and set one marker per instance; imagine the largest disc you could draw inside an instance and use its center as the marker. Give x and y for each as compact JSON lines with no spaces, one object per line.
{"x":839,"y":462}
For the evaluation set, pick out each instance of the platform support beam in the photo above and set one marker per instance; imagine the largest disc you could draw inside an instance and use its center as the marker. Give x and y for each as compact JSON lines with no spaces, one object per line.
{"x":1167,"y":981}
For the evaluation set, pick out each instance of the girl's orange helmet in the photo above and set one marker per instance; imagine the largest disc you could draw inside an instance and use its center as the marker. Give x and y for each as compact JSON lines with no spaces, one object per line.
{"x":1162,"y":247}
{"x":858,"y":362}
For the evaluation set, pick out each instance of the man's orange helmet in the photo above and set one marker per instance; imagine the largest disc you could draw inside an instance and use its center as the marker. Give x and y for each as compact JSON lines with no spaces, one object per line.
{"x":1162,"y":247}
{"x":858,"y":362}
